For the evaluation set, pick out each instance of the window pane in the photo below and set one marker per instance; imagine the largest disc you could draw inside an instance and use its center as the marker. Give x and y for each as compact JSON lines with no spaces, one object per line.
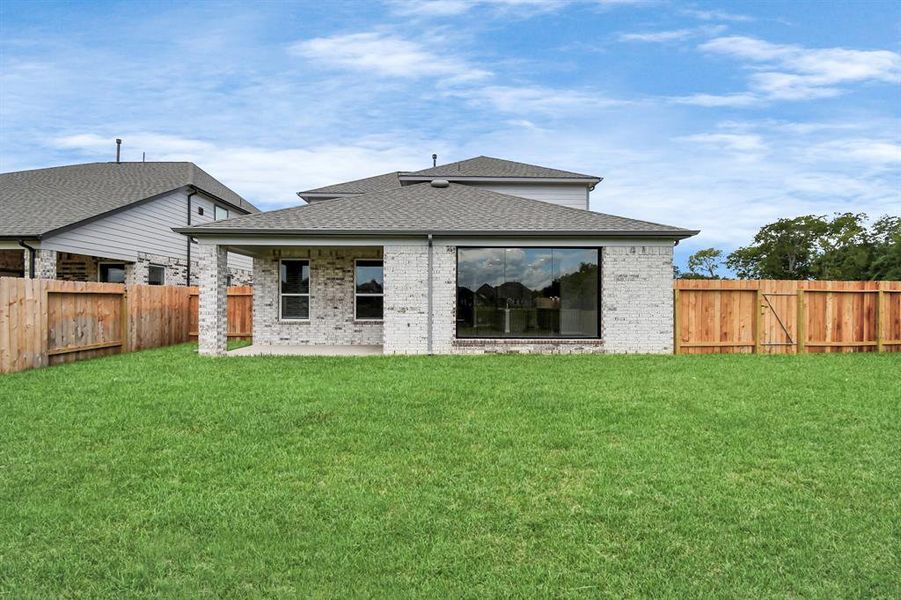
{"x":112,"y":273}
{"x":578,"y":283}
{"x":527,"y":292}
{"x":220,"y":213}
{"x":156,"y":275}
{"x":295,"y":307}
{"x":370,"y":277}
{"x":295,"y":277}
{"x":480,"y":272}
{"x":370,"y":307}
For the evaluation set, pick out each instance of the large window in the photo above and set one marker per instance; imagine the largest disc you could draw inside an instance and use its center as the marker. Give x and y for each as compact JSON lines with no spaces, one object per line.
{"x":369,"y":290}
{"x":527,"y":293}
{"x":294,"y":290}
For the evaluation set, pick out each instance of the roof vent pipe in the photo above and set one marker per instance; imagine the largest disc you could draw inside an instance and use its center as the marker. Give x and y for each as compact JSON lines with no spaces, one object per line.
{"x":118,"y":149}
{"x":434,"y":160}
{"x":440,"y":183}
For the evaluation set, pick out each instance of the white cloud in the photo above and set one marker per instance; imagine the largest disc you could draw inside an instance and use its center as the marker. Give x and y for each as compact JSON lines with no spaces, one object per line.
{"x":715,"y":15}
{"x":734,"y":142}
{"x":713,"y":100}
{"x":791,"y":72}
{"x":267,"y":177}
{"x":546,"y":101}
{"x":658,"y":36}
{"x":387,"y":55}
{"x":522,"y":8}
{"x":674,"y":35}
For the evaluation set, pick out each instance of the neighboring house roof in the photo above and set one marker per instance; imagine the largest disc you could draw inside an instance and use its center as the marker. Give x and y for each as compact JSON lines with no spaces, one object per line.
{"x":423,"y":208}
{"x":377,"y":183}
{"x":37,"y":202}
{"x":486,"y":166}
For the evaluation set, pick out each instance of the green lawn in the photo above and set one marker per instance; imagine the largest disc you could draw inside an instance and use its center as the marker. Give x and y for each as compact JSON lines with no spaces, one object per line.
{"x":161,"y":473}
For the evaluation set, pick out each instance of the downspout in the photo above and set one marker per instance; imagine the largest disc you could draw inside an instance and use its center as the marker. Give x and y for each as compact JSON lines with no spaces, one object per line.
{"x":188,"y":271}
{"x":429,"y":316}
{"x":30,"y":251}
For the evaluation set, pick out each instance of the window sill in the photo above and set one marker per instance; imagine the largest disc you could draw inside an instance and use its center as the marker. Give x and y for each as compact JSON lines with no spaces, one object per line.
{"x":298,"y":321}
{"x":528,"y":341}
{"x":369,"y":321}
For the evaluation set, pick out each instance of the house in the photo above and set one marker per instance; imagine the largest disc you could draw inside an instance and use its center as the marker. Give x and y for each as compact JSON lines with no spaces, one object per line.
{"x":112,"y":222}
{"x":481,"y":255}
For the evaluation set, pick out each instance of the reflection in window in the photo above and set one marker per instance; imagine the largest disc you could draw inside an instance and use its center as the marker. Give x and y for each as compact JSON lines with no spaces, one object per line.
{"x":527,"y":292}
{"x":369,"y":290}
{"x":111,"y":273}
{"x":294,"y":283}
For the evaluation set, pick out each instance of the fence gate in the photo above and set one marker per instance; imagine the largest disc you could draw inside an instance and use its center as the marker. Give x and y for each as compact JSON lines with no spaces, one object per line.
{"x":778,"y":322}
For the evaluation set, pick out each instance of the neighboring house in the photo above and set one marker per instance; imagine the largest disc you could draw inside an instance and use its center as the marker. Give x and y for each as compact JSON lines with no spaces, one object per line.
{"x":440,"y":261}
{"x":112,"y":222}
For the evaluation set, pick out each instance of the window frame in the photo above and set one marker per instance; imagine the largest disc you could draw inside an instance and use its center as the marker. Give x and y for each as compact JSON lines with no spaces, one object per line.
{"x":101,"y":263}
{"x":216,"y":209}
{"x":162,"y":268}
{"x":599,"y":330}
{"x":309,"y":295}
{"x":356,"y":294}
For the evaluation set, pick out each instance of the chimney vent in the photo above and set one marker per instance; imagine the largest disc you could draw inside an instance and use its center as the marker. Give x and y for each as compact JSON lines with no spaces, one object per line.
{"x":434,"y":160}
{"x":118,"y":149}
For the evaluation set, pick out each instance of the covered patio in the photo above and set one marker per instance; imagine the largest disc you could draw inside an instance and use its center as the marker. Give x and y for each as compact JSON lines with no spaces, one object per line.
{"x":324,"y":296}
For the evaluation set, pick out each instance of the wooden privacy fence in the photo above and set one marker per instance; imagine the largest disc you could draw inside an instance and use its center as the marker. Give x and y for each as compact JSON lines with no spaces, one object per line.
{"x":786,"y":317}
{"x":45,"y":322}
{"x":240,"y":312}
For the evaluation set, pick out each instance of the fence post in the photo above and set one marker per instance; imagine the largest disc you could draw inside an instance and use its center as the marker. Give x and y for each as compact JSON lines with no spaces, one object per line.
{"x":802,"y":323}
{"x":676,"y":334}
{"x":879,"y":305}
{"x":758,"y":321}
{"x":123,"y":325}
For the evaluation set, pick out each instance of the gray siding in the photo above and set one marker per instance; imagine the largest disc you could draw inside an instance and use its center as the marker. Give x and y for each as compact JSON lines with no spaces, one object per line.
{"x":143,"y":228}
{"x":562,"y":194}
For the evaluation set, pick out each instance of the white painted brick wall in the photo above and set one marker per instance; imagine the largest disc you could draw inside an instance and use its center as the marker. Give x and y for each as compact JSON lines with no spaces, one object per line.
{"x":406,"y":299}
{"x":331,"y":301}
{"x":44,"y":264}
{"x":637,"y":299}
{"x":636,"y":303}
{"x":213,"y":315}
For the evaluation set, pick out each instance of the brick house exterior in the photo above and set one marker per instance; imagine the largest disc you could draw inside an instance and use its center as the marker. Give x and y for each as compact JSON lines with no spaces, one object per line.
{"x":423,"y":235}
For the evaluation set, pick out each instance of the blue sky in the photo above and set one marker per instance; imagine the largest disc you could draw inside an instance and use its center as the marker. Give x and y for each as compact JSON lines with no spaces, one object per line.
{"x":719,"y":116}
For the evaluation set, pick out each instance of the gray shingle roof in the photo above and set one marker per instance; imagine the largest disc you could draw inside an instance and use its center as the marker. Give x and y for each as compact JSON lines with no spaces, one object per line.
{"x":39,"y":201}
{"x":422,"y":208}
{"x":486,"y":166}
{"x":377,"y":183}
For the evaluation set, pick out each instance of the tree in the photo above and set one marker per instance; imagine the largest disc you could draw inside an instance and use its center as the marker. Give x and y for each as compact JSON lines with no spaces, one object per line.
{"x":785,"y":249}
{"x":704,"y":264}
{"x":815,"y":247}
{"x":886,"y":233}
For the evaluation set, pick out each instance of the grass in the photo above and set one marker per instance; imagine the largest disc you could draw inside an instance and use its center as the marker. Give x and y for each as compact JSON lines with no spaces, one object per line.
{"x":164,"y":474}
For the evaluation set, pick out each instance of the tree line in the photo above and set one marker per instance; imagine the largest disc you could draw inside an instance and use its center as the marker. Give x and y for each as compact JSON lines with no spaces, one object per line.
{"x":845,"y":247}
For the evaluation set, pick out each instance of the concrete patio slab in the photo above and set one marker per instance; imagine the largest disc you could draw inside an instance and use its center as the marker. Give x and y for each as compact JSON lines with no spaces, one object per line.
{"x":260,"y":350}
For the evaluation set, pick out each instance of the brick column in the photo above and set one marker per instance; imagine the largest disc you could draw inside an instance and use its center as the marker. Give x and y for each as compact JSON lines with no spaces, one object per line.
{"x":44,"y":264}
{"x":406,"y":300}
{"x":213,"y":321}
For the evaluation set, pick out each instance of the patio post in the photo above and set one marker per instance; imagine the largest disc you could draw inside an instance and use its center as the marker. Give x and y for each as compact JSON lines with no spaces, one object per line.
{"x":213,"y":314}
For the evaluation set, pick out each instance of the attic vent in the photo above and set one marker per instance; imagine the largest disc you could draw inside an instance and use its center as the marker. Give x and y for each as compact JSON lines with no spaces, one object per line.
{"x":440,"y":183}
